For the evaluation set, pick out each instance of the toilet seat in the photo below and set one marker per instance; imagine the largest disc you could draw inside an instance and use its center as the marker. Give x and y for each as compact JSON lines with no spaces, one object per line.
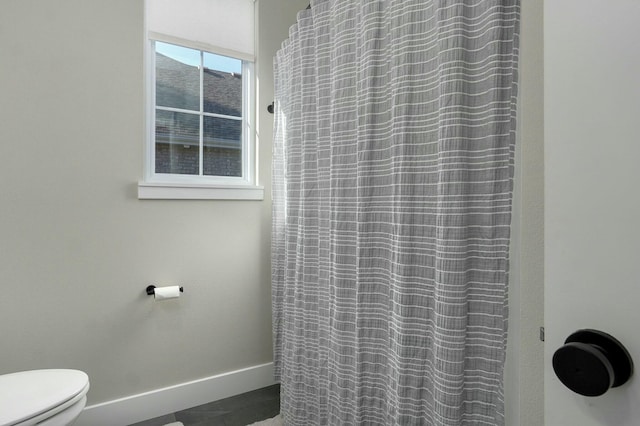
{"x":30,"y":397}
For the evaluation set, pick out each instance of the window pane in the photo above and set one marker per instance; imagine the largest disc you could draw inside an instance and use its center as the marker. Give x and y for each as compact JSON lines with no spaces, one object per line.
{"x":177,"y":143}
{"x":222,"y":151}
{"x":177,"y":77}
{"x":222,"y":85}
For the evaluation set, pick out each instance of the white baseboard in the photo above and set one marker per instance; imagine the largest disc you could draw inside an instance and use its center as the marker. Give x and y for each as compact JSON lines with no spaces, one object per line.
{"x":158,"y":402}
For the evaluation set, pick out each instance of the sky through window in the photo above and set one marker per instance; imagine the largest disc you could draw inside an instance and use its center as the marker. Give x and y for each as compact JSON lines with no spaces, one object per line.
{"x":192,"y":57}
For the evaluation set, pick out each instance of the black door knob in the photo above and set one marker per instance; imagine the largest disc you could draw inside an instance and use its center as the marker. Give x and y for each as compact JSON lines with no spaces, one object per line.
{"x":591,"y":361}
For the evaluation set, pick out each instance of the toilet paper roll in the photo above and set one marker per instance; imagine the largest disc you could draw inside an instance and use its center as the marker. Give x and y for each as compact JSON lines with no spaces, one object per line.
{"x":170,"y":292}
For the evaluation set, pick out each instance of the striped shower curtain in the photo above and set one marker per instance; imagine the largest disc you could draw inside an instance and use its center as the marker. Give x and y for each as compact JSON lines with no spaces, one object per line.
{"x":392,"y":189}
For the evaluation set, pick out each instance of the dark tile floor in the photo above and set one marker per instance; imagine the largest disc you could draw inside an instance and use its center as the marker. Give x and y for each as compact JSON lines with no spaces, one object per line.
{"x":240,"y":410}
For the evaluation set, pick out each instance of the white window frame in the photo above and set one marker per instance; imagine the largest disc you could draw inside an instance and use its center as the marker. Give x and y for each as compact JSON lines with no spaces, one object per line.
{"x":178,"y":186}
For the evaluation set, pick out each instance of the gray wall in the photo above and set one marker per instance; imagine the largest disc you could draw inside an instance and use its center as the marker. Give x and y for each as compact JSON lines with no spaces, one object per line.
{"x":77,"y":248}
{"x":524,"y":378}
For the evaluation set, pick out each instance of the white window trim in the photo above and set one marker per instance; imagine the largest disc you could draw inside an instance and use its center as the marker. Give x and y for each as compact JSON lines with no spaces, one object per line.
{"x":185,"y":187}
{"x":195,"y":191}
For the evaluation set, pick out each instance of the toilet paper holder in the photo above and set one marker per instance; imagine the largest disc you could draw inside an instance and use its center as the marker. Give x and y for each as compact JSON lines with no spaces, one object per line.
{"x":151,"y":290}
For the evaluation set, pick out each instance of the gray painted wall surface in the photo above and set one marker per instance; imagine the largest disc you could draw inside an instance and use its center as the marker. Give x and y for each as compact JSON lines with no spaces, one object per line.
{"x":77,"y":248}
{"x":524,"y":381}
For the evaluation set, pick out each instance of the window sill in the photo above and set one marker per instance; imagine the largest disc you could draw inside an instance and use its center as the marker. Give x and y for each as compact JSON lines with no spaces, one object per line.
{"x":181,"y":191}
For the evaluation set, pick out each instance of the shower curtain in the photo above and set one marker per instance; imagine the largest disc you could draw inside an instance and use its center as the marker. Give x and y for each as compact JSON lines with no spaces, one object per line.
{"x":392,"y":187}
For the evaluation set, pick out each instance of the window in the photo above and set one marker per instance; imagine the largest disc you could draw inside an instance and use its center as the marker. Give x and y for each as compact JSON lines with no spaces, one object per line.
{"x":200,"y":126}
{"x":198,"y":113}
{"x":200,"y":97}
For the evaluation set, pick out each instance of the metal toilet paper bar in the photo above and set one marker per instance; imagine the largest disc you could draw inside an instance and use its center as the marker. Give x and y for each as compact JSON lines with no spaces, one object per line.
{"x":151,"y":290}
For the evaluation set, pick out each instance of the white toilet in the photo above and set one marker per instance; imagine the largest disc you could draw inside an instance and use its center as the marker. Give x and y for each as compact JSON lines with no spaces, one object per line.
{"x":42,"y":397}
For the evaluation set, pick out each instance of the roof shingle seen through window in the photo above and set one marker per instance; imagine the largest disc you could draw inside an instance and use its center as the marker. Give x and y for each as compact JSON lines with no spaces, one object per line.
{"x":178,"y":86}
